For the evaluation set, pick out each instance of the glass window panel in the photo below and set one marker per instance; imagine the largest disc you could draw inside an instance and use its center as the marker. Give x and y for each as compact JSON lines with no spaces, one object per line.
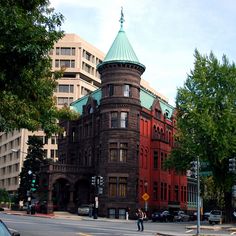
{"x":114,"y":119}
{"x":113,"y":155}
{"x":126,"y":90}
{"x":123,"y":119}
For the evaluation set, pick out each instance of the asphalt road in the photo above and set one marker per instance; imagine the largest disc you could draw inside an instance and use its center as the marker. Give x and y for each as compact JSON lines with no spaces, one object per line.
{"x":37,"y":226}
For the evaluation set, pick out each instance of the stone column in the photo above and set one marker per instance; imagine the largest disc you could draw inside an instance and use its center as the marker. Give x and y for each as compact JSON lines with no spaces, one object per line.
{"x":71,"y":204}
{"x":49,"y":202}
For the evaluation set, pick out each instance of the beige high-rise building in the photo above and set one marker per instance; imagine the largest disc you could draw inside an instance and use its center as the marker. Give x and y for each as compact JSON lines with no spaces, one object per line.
{"x":79,"y":58}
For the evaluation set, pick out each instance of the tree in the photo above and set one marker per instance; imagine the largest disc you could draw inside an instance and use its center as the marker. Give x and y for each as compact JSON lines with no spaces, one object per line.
{"x":4,"y":196}
{"x":206,"y":121}
{"x":28,"y":31}
{"x":29,"y":175}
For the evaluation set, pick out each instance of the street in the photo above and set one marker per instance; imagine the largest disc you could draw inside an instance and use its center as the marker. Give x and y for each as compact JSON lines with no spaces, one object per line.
{"x":38,"y":226}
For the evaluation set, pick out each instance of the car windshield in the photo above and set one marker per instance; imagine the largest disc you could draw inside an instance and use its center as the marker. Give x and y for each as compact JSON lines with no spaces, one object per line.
{"x":3,"y":230}
{"x":216,"y":212}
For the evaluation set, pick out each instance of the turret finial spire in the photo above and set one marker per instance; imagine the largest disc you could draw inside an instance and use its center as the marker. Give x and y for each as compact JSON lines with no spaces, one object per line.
{"x":121,"y":18}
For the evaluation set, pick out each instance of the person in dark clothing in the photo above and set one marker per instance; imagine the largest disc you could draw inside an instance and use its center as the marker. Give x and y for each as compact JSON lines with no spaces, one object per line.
{"x":140,"y":216}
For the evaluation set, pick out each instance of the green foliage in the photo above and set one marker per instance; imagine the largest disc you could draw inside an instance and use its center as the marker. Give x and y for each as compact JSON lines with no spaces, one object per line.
{"x":4,"y":196}
{"x":206,"y":118}
{"x":33,"y":161}
{"x":28,"y":31}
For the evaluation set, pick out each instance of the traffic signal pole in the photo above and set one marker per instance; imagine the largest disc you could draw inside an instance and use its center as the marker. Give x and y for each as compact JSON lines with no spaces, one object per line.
{"x":97,"y":182}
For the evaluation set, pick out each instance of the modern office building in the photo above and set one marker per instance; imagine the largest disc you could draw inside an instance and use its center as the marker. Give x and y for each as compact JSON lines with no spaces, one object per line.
{"x":113,"y":155}
{"x":79,"y":60}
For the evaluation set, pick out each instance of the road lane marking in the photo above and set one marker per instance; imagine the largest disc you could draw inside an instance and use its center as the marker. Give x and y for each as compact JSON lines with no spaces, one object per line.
{"x":189,"y":231}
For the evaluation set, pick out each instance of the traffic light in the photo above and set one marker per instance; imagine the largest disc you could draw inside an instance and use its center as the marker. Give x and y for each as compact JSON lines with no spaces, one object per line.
{"x":193,"y":169}
{"x":33,"y":183}
{"x":93,"y":180}
{"x":101,"y":182}
{"x":232,"y":165}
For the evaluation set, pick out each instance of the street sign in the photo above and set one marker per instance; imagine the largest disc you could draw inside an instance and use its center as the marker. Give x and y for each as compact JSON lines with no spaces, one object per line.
{"x":145,"y":197}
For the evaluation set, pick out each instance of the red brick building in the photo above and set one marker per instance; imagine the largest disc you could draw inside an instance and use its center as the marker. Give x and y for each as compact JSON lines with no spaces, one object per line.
{"x":122,"y":137}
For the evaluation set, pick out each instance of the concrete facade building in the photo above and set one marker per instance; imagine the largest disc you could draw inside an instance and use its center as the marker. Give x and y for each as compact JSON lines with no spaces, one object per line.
{"x":79,"y":59}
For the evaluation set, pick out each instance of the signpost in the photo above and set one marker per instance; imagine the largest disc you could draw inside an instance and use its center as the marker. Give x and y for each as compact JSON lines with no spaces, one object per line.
{"x":145,"y":197}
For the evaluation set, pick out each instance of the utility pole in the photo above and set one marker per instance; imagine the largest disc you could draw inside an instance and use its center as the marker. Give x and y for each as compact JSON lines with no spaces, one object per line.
{"x":198,"y":197}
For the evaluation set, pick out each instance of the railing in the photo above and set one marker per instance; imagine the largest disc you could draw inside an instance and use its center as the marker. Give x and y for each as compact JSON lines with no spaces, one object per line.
{"x":159,"y":137}
{"x":55,"y":167}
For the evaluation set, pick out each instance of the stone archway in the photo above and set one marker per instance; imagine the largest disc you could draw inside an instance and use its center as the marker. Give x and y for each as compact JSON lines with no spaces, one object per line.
{"x":61,"y":194}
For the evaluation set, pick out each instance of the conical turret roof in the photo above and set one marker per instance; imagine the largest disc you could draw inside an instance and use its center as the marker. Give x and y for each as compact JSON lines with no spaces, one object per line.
{"x":121,"y":50}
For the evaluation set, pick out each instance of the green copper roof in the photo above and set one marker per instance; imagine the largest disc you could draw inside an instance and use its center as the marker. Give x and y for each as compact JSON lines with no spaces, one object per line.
{"x":77,"y":105}
{"x":121,"y":49}
{"x":146,"y":98}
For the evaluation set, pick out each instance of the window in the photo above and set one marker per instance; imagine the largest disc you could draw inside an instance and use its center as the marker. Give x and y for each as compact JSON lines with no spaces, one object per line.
{"x":126,"y":90}
{"x":119,"y":120}
{"x":123,"y":152}
{"x":53,"y":140}
{"x":112,"y":187}
{"x":64,"y":100}
{"x":110,"y":89}
{"x":65,"y":51}
{"x":64,"y":88}
{"x":118,"y":153}
{"x":65,"y":63}
{"x":176,"y":192}
{"x":117,"y":187}
{"x":155,"y":160}
{"x":113,"y":152}
{"x":123,"y":119}
{"x":155,"y":191}
{"x":114,"y":119}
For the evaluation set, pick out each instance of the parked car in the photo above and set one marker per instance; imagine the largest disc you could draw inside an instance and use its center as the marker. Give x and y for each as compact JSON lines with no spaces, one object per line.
{"x":84,"y":209}
{"x":216,"y":216}
{"x":4,"y":231}
{"x":206,"y":216}
{"x":162,"y":216}
{"x":181,"y":216}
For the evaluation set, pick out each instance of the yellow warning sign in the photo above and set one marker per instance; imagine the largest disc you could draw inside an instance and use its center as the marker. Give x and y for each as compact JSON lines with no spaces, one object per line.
{"x":145,"y":197}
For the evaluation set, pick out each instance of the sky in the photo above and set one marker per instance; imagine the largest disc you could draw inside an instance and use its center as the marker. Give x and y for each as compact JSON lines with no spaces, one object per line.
{"x":163,"y":33}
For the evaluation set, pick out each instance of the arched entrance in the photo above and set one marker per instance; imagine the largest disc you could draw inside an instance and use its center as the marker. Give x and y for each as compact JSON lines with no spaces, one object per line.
{"x":61,"y":194}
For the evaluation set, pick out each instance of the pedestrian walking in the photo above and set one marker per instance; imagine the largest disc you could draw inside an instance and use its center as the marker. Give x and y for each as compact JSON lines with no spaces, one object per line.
{"x":140,"y":217}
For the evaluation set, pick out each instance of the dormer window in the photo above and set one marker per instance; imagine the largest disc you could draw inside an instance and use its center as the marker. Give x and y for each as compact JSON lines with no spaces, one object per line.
{"x":167,"y":113}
